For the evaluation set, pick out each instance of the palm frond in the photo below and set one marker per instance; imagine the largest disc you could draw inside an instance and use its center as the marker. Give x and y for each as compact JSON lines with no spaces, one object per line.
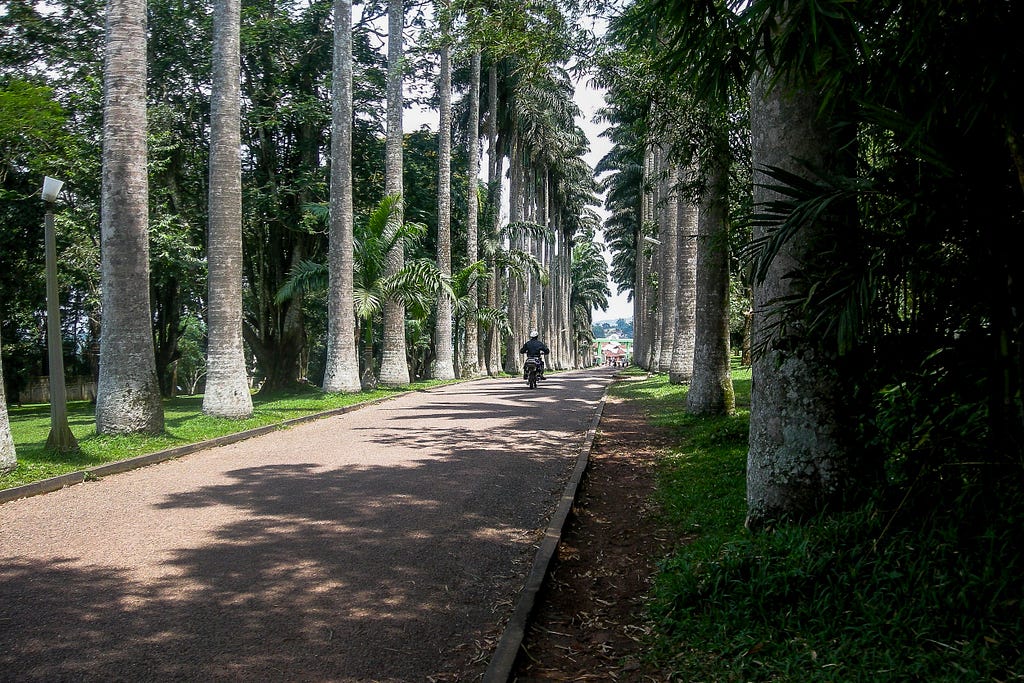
{"x":305,"y":276}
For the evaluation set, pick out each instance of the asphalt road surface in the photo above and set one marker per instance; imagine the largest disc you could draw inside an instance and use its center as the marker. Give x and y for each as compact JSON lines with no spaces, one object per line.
{"x":386,"y":544}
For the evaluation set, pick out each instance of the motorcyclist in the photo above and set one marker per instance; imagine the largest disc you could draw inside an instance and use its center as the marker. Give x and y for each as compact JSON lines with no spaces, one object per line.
{"x":535,"y":348}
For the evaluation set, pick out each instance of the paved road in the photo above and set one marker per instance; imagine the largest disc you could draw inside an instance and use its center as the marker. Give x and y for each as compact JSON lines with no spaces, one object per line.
{"x":386,"y":544}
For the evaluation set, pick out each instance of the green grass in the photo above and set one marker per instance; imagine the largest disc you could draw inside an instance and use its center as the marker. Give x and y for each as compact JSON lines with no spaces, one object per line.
{"x":184,"y":424}
{"x":850,"y":597}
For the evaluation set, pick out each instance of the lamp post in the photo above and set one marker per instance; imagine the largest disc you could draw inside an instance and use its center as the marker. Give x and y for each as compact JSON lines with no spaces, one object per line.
{"x":60,"y":438}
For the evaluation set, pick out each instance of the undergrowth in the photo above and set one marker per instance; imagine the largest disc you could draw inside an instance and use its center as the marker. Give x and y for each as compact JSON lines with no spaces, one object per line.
{"x":861,"y":596}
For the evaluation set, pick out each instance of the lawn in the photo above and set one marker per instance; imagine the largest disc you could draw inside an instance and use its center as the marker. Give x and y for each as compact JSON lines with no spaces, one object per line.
{"x":184,"y":424}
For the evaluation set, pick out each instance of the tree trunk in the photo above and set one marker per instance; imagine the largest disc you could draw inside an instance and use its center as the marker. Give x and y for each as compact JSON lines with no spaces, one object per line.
{"x":711,"y":390}
{"x":494,"y":181}
{"x":8,"y":459}
{"x":681,"y":371}
{"x":470,"y":349}
{"x":516,"y":289}
{"x":342,"y":371}
{"x":799,"y":458}
{"x":670,"y":271}
{"x":128,"y":395}
{"x":444,"y":364}
{"x":227,"y":382}
{"x":659,"y":279}
{"x":394,"y":368}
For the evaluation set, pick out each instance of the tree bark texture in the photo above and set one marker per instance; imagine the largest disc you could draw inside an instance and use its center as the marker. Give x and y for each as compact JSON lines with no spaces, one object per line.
{"x":444,"y":364}
{"x":341,"y":373}
{"x":659,"y":276}
{"x":128,"y":394}
{"x":227,"y":383}
{"x":670,"y":263}
{"x":798,"y":462}
{"x":471,"y":350}
{"x":8,"y":458}
{"x":711,"y":390}
{"x":394,"y":368}
{"x":681,"y":371}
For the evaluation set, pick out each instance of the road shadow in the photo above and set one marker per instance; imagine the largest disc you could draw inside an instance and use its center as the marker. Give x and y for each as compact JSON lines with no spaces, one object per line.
{"x":353,"y":573}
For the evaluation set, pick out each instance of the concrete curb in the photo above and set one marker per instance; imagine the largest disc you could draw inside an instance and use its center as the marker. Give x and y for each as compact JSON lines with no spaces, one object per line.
{"x":499,"y":670}
{"x":42,"y":486}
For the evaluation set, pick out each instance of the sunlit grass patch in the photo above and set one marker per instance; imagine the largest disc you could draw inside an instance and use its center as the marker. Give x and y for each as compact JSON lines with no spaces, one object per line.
{"x":184,"y":424}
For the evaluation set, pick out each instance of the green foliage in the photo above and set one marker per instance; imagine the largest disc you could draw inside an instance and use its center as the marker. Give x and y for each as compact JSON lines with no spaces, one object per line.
{"x":589,"y":289}
{"x":847,"y":599}
{"x":31,"y":127}
{"x":863,"y":596}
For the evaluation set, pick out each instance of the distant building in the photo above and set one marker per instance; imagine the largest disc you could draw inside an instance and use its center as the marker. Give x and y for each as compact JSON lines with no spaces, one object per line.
{"x":612,"y":351}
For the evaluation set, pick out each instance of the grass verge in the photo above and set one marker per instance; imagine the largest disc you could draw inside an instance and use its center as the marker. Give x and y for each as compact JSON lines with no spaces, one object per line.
{"x":851,"y":597}
{"x":184,"y":424}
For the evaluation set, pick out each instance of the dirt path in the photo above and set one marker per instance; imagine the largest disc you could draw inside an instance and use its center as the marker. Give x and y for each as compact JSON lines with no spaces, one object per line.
{"x":386,"y":544}
{"x":589,"y":624}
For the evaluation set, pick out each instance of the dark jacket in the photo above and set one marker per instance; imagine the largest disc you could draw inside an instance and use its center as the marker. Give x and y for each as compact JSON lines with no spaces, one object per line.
{"x":534,"y":348}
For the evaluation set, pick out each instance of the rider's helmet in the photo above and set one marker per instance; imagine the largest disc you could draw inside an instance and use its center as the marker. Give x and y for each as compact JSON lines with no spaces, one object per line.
{"x":534,"y":334}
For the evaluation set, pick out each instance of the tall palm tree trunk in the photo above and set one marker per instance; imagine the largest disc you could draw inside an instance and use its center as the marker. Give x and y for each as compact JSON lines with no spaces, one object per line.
{"x":8,"y":459}
{"x":227,"y":382}
{"x":394,"y":368}
{"x":711,"y":391}
{"x":494,"y":182}
{"x":670,"y":271}
{"x":128,"y":392}
{"x":342,"y":371}
{"x":470,"y":350}
{"x":798,"y":462}
{"x":516,"y":288}
{"x":444,"y":363}
{"x":681,"y":371}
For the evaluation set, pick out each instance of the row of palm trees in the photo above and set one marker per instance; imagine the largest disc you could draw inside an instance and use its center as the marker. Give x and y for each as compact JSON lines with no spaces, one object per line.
{"x":516,"y":274}
{"x":875,"y":172}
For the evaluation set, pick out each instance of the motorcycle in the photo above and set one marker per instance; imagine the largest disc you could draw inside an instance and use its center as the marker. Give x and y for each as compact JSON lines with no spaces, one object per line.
{"x":532,"y":369}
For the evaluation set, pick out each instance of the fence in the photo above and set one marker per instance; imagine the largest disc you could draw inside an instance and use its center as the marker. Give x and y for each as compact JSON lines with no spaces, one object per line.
{"x":38,"y":390}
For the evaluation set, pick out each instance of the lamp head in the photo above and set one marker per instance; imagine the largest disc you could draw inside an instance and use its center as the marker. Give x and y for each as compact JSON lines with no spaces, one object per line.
{"x":51,"y":188}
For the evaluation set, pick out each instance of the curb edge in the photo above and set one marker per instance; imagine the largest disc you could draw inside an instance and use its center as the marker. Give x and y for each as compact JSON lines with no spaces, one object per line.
{"x":503,"y":659}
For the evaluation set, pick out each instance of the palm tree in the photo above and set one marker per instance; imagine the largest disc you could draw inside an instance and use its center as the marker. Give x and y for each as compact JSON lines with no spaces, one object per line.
{"x":341,"y":373}
{"x":227,"y":383}
{"x":374,"y":284}
{"x":589,"y":291}
{"x":800,"y":456}
{"x":8,"y":459}
{"x":466,"y":310}
{"x":490,"y":345}
{"x":669,"y":232}
{"x":444,"y":364}
{"x":128,"y":392}
{"x":711,"y":390}
{"x":394,"y":368}
{"x":681,"y":371}
{"x":471,"y":351}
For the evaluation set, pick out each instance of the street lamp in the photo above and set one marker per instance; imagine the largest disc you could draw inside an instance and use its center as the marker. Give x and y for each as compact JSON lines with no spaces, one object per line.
{"x":60,"y":438}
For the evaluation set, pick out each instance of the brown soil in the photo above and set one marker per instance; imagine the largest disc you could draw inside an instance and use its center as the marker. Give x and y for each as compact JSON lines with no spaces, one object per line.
{"x":589,"y":623}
